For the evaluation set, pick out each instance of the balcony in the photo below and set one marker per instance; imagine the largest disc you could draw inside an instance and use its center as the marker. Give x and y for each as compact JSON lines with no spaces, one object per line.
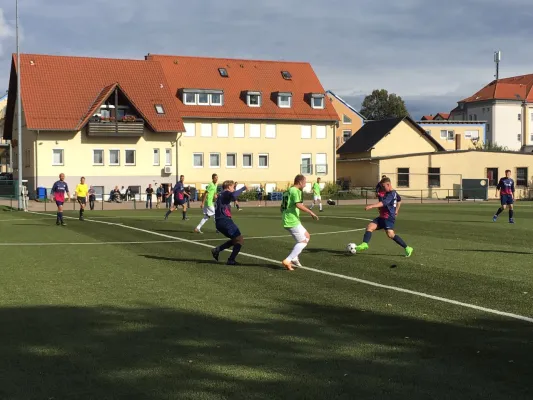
{"x":128,"y":126}
{"x":321,"y":169}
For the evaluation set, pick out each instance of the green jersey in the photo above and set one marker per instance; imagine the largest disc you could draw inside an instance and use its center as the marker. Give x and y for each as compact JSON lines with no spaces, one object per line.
{"x":291,"y":213}
{"x":210,"y":197}
{"x":316,"y":189}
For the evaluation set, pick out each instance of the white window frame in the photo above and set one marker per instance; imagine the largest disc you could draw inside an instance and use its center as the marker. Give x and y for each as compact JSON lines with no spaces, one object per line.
{"x":207,"y":99}
{"x":134,"y":157}
{"x":287,"y":104}
{"x":190,"y":132}
{"x":305,"y":156}
{"x":114,"y":164}
{"x":249,"y":97}
{"x":267,"y":159}
{"x":471,"y":134}
{"x":219,"y":160}
{"x":189,"y":103}
{"x":344,"y":116}
{"x":321,"y":135}
{"x":251,"y":160}
{"x":225,"y":130}
{"x":211,"y":102}
{"x":202,"y":157}
{"x":345,"y":139}
{"x":320,"y":164}
{"x":167,"y":163}
{"x":203,"y":133}
{"x":254,"y":131}
{"x":271,"y":131}
{"x":318,"y":107}
{"x":62,"y":156}
{"x":158,"y":152}
{"x":445,"y":135}
{"x":306,"y":132}
{"x":103,"y":157}
{"x":234,"y":157}
{"x":241,"y":132}
{"x":159,"y":109}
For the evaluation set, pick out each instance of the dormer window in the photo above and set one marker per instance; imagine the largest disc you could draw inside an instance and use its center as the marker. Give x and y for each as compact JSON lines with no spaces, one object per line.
{"x":202,"y":97}
{"x":159,"y":109}
{"x":317,"y":100}
{"x":286,"y":75}
{"x":253,"y":99}
{"x":284,"y":100}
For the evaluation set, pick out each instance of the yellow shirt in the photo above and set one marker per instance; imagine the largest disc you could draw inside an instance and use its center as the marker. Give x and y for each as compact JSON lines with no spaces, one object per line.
{"x":81,"y":190}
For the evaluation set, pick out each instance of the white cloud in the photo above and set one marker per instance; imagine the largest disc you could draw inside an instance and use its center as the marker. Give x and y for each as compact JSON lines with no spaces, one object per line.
{"x":6,"y":31}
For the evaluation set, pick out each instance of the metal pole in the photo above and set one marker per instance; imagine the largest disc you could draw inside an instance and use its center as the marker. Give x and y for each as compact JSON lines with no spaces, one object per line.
{"x":19,"y":110}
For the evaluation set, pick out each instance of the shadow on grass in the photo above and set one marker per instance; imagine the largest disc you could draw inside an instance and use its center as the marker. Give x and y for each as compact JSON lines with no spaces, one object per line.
{"x":301,"y":350}
{"x":222,"y":261}
{"x":490,"y":251}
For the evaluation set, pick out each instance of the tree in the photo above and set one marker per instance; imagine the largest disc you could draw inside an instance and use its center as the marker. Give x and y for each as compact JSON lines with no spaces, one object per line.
{"x":490,"y":146}
{"x":382,"y":105}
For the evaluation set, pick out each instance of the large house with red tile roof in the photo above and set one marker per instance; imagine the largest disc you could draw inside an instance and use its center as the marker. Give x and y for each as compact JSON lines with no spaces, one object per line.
{"x":506,"y":105}
{"x":139,"y":122}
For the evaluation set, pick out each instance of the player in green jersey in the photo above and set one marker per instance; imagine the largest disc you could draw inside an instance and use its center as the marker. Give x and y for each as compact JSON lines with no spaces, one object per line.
{"x":317,"y":198}
{"x":290,"y":207}
{"x":208,"y":202}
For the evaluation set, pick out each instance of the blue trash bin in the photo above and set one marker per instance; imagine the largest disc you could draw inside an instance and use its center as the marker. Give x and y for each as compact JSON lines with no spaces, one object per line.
{"x":41,"y":193}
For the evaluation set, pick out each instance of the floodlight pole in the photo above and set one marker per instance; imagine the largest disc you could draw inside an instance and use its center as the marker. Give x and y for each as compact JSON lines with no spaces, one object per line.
{"x":19,"y":113}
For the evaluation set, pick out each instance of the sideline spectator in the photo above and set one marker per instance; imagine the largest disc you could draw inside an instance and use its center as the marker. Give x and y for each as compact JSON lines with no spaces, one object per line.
{"x":92,"y":197}
{"x":149,"y":193}
{"x":159,"y":195}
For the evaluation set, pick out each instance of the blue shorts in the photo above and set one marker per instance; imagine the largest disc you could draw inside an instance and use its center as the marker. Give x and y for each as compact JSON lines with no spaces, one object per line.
{"x":506,"y":199}
{"x":384,"y":223}
{"x":178,"y":202}
{"x":228,"y":228}
{"x":59,"y":203}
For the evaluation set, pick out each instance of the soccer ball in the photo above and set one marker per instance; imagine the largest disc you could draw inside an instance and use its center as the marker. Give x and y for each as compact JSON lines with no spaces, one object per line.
{"x":351,"y":248}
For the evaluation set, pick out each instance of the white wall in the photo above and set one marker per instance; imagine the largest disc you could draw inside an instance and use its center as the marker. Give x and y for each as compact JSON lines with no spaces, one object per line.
{"x":507,"y":127}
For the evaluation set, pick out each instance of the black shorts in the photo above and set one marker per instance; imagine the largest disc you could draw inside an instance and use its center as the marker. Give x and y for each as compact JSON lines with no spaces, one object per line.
{"x":82,"y":200}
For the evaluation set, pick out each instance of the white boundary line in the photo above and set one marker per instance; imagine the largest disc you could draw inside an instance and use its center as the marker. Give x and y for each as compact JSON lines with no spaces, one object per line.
{"x":318,"y":271}
{"x":86,"y":243}
{"x":282,"y":236}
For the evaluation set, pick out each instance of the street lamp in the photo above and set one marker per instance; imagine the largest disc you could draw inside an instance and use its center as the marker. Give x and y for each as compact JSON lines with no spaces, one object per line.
{"x":19,"y":112}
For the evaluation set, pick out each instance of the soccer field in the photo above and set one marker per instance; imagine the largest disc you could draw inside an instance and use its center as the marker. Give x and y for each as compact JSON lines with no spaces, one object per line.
{"x":127,"y":306}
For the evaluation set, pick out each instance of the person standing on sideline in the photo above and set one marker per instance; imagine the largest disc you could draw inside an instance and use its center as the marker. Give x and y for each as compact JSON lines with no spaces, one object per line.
{"x":179,"y":199}
{"x":317,"y":198}
{"x":92,"y":198}
{"x":81,"y":195}
{"x":149,"y":193}
{"x":291,"y":206}
{"x":59,"y":189}
{"x":208,"y":202}
{"x":225,"y":224}
{"x":158,"y":195}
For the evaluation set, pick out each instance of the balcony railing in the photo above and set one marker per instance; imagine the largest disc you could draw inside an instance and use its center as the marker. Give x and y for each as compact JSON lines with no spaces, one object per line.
{"x":321,"y":169}
{"x":127,"y":126}
{"x":306,"y":169}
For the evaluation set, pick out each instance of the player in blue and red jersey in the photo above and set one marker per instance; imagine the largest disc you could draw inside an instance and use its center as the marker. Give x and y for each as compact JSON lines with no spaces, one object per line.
{"x":180,"y":198}
{"x":506,"y":188}
{"x":225,"y":224}
{"x":388,"y":205}
{"x":380,"y":192}
{"x":59,"y":189}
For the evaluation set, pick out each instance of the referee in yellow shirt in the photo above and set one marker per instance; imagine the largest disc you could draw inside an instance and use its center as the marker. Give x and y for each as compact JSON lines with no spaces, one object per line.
{"x":82,"y":191}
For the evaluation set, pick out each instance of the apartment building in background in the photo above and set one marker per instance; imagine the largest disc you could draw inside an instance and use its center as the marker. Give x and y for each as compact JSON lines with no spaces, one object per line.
{"x":350,"y":120}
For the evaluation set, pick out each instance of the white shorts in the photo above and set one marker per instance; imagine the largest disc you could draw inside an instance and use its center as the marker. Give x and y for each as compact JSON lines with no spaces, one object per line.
{"x":298,"y":233}
{"x":317,"y":198}
{"x":209,"y":211}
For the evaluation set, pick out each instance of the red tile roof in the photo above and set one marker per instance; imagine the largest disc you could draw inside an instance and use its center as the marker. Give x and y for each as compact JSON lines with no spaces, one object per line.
{"x":505,"y":89}
{"x":59,"y":92}
{"x":246,"y":75}
{"x":442,"y":115}
{"x":427,"y":117}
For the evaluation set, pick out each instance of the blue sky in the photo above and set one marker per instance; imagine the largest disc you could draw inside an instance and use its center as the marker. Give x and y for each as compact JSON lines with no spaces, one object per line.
{"x":432,"y":53}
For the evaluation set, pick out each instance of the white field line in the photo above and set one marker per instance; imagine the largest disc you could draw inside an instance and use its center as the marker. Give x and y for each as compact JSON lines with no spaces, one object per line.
{"x":282,"y":236}
{"x":318,"y":271}
{"x":86,"y":243}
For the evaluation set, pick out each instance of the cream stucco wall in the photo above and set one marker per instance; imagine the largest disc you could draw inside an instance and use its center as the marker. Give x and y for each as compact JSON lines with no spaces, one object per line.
{"x":359,"y":173}
{"x":284,"y":151}
{"x":507,"y":127}
{"x":354,"y":126}
{"x":459,"y":130}
{"x":454,"y":166}
{"x":403,"y":139}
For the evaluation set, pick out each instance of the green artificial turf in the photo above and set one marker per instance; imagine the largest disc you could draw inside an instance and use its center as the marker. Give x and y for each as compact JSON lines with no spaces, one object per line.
{"x":163,"y":321}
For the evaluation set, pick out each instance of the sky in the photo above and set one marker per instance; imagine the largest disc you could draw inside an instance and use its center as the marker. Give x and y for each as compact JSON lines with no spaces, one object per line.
{"x":431,"y":53}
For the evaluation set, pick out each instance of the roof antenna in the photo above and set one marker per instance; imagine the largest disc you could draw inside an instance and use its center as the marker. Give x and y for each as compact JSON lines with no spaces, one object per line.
{"x":497,"y":59}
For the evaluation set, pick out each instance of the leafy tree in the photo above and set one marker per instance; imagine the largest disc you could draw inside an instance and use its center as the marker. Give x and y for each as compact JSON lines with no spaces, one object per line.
{"x":382,"y":105}
{"x":489,"y":146}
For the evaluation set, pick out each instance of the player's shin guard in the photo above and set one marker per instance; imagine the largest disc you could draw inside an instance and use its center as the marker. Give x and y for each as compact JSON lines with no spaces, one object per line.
{"x":367,"y":236}
{"x":400,"y":241}
{"x":236,"y":249}
{"x":297,"y":249}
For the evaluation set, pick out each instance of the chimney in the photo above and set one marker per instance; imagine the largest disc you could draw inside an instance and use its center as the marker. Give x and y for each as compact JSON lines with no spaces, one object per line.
{"x":457,"y":142}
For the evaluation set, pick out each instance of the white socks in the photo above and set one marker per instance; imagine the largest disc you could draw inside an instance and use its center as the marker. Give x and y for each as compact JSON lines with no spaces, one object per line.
{"x":320,"y":206}
{"x":297,"y":249}
{"x":202,"y":222}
